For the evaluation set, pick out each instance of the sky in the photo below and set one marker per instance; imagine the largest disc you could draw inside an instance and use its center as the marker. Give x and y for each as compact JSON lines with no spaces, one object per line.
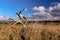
{"x":44,"y":8}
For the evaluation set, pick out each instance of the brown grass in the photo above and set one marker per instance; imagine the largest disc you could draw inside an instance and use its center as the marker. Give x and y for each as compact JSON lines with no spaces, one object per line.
{"x":33,"y":31}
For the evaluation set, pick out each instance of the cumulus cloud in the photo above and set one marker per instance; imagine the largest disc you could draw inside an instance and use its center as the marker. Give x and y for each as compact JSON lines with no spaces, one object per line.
{"x":42,"y":11}
{"x":55,"y":7}
{"x":41,"y":8}
{"x":2,"y":18}
{"x":55,"y":10}
{"x":58,"y":6}
{"x":50,"y":9}
{"x":52,"y":14}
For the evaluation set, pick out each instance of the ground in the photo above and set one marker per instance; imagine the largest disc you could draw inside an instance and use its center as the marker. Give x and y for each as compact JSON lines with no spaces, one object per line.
{"x":32,"y":31}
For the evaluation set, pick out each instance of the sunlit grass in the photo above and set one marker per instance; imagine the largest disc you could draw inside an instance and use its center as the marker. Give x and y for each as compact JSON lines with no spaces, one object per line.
{"x":32,"y":31}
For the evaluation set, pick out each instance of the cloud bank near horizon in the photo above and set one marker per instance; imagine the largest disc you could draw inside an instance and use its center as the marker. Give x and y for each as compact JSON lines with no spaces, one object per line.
{"x":2,"y":18}
{"x":51,"y":13}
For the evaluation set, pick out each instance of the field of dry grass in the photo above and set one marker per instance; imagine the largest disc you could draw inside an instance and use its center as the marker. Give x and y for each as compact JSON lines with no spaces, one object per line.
{"x":33,"y":31}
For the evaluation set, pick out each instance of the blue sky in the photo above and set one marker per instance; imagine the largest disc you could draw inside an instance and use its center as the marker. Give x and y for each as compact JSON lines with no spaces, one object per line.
{"x":8,"y":8}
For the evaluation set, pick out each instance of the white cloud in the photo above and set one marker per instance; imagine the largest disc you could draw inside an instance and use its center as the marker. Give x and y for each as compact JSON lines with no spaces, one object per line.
{"x":40,"y":8}
{"x":2,"y":18}
{"x":55,"y":8}
{"x":50,"y":9}
{"x":58,"y":6}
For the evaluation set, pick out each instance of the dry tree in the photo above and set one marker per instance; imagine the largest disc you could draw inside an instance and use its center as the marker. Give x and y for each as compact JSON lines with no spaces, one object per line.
{"x":23,"y":20}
